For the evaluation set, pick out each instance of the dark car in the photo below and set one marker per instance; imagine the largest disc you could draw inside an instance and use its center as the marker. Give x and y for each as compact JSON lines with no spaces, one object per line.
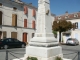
{"x":11,"y":42}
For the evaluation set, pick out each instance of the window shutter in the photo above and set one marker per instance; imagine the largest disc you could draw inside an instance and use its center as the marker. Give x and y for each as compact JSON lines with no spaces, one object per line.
{"x":25,"y":22}
{"x":33,"y":12}
{"x":14,"y":35}
{"x":25,"y":10}
{"x":33,"y":24}
{"x":14,"y":20}
{"x":4,"y":34}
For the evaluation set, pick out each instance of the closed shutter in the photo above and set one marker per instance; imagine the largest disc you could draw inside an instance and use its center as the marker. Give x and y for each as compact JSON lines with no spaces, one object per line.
{"x":25,"y":22}
{"x":4,"y":34}
{"x":25,"y":37}
{"x":33,"y":12}
{"x":33,"y":24}
{"x":0,"y":18}
{"x":14,"y":20}
{"x":25,"y":10}
{"x":14,"y":35}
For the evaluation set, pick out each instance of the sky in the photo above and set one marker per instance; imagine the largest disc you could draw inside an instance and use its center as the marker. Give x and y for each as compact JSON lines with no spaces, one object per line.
{"x":59,"y":7}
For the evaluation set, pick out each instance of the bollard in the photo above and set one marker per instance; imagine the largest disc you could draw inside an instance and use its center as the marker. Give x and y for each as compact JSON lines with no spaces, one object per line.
{"x":6,"y":54}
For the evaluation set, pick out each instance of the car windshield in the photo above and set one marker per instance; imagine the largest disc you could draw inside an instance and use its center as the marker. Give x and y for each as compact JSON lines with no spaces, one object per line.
{"x":72,"y":39}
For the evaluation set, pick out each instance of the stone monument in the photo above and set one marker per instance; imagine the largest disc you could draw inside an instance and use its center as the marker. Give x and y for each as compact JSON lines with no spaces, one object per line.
{"x":43,"y":45}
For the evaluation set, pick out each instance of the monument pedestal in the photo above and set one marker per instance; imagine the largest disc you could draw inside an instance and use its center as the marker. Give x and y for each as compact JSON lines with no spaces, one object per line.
{"x":43,"y":53}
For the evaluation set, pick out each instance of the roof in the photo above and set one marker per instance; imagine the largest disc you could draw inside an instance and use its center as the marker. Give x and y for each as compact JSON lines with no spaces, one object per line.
{"x":68,"y":16}
{"x":29,"y":5}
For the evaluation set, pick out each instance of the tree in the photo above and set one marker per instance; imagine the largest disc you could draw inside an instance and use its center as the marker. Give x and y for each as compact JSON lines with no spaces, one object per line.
{"x":61,"y":26}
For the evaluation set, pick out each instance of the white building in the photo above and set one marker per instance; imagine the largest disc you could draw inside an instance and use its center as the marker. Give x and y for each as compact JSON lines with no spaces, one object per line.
{"x":17,"y":20}
{"x":75,"y":19}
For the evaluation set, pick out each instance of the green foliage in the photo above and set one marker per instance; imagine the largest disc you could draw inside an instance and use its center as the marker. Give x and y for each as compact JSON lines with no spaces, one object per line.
{"x":55,"y":33}
{"x":58,"y":58}
{"x":32,"y":58}
{"x":61,"y":25}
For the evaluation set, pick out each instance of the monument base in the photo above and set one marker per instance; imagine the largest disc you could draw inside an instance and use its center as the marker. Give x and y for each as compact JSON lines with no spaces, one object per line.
{"x":43,"y":53}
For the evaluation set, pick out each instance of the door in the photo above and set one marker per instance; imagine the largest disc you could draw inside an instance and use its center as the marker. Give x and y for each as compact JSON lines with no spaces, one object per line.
{"x":25,"y":37}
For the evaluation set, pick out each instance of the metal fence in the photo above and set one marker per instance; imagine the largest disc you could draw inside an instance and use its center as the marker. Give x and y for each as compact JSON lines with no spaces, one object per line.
{"x":9,"y":55}
{"x":73,"y":54}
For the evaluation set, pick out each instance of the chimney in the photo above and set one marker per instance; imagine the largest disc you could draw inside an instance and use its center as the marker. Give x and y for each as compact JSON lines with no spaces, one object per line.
{"x":30,"y":3}
{"x":66,"y":13}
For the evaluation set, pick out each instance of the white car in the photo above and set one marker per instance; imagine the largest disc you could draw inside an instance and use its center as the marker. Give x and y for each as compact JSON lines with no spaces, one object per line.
{"x":72,"y":41}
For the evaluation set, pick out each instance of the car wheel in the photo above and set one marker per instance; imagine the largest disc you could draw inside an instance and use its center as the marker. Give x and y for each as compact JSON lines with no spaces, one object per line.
{"x":22,"y":45}
{"x":5,"y":46}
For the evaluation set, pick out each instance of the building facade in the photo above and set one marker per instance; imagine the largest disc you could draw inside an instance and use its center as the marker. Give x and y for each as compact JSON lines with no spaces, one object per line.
{"x":73,"y":33}
{"x":17,"y":20}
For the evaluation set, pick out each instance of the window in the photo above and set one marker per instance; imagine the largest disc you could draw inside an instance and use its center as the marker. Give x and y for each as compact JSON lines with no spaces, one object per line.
{"x":14,"y":20}
{"x":15,"y":40}
{"x":33,"y":24}
{"x":32,"y":35}
{"x":10,"y":40}
{"x":0,"y":4}
{"x":25,"y":22}
{"x":4,"y":34}
{"x":59,"y":18}
{"x":75,"y":15}
{"x":33,"y":13}
{"x":14,"y":35}
{"x":25,"y":10}
{"x":14,"y":8}
{"x":76,"y":24}
{"x":0,"y":18}
{"x":66,"y":17}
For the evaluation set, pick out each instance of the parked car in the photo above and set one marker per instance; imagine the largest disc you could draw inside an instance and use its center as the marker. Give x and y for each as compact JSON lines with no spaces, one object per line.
{"x":72,"y":41}
{"x":11,"y":42}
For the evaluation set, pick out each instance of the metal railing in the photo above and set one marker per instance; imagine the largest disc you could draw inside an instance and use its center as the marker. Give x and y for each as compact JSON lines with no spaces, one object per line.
{"x":15,"y":54}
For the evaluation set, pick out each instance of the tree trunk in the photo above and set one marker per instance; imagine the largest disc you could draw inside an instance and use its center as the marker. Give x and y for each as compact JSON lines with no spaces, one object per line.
{"x":59,"y":36}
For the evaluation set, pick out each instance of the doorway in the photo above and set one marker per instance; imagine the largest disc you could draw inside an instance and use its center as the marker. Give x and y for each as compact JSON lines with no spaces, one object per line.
{"x":25,"y":37}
